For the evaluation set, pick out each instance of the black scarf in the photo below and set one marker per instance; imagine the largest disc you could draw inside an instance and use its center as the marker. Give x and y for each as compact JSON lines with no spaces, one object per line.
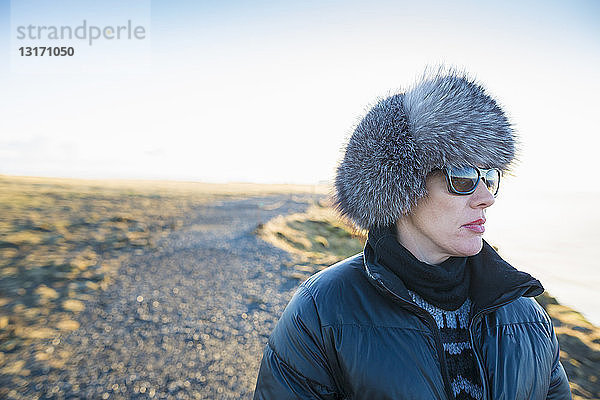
{"x":446,"y":285}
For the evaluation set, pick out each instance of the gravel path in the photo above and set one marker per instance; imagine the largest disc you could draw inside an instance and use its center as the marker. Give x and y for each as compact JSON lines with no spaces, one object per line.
{"x":187,"y":320}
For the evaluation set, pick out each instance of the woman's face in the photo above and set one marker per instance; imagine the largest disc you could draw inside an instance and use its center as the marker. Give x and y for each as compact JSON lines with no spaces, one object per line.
{"x":443,"y":224}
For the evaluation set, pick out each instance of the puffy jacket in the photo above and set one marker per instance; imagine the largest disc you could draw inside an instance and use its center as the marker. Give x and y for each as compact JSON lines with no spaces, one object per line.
{"x":352,"y":332}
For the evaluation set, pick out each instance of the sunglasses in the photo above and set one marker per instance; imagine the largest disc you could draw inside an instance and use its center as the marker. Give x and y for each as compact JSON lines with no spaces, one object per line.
{"x":464,"y":180}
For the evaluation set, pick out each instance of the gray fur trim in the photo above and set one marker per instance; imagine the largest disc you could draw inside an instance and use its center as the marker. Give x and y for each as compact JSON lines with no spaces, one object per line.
{"x":445,"y":119}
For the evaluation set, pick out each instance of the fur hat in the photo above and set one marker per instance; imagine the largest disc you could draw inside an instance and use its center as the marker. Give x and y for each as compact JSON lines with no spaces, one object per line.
{"x":445,"y":119}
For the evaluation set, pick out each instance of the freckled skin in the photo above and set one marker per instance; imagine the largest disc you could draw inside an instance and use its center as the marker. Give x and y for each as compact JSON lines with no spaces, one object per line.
{"x":434,"y":230}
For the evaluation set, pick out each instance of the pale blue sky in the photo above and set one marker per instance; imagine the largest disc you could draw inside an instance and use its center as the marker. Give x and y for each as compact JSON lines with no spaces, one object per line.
{"x":267,"y":91}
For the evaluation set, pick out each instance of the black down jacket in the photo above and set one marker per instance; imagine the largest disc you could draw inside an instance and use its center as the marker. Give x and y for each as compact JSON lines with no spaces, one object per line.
{"x":352,"y":332}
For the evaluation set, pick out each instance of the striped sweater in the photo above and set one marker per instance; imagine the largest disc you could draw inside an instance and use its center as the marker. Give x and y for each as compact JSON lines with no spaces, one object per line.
{"x":460,"y":360}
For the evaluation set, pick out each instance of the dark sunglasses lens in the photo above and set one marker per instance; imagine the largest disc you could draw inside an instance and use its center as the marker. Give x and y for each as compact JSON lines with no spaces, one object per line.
{"x":463,"y":179}
{"x":492,"y":180}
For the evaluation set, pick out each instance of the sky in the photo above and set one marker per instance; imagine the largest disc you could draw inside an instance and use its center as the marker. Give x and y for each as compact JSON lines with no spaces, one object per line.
{"x":268,"y":91}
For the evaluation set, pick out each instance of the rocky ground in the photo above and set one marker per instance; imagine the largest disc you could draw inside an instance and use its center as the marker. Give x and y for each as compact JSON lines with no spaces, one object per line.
{"x":187,"y":319}
{"x":188,"y":316}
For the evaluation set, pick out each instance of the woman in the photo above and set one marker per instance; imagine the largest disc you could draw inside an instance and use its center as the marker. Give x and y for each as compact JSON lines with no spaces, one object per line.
{"x":429,"y":310}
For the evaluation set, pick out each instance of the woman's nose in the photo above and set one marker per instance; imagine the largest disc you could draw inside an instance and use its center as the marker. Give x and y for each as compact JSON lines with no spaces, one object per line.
{"x":482,"y":197}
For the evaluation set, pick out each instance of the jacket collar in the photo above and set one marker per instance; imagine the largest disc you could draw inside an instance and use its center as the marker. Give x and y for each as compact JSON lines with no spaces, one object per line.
{"x":494,"y":281}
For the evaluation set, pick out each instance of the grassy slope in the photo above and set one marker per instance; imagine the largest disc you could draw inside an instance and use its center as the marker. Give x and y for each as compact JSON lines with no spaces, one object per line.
{"x":318,"y":238}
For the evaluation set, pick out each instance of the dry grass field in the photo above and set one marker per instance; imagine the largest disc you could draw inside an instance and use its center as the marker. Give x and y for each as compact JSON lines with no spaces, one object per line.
{"x":61,"y":240}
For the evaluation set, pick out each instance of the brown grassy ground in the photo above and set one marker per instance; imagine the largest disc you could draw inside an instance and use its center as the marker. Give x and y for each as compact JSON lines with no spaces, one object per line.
{"x":318,"y":238}
{"x":61,"y":240}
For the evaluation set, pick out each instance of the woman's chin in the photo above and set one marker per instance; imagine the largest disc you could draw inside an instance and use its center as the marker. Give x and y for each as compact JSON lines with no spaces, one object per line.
{"x":471,"y":246}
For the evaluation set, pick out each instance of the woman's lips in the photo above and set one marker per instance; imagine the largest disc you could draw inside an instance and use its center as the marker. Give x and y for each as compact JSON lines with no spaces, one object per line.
{"x":476,"y":226}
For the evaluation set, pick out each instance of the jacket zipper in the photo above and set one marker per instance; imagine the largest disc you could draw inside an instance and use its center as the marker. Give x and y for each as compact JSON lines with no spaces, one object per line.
{"x":484,"y":378}
{"x":436,"y":336}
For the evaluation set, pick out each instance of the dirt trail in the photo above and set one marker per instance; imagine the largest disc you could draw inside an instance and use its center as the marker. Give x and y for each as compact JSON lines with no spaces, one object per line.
{"x":186,"y":320}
